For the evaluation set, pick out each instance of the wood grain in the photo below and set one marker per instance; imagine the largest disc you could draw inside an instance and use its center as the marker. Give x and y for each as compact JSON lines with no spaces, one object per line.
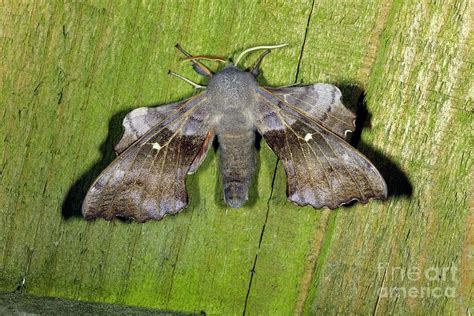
{"x":70,"y":73}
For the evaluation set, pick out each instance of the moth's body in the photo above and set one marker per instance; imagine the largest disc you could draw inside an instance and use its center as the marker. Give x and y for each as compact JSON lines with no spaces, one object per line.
{"x":232,"y":92}
{"x":306,"y":127}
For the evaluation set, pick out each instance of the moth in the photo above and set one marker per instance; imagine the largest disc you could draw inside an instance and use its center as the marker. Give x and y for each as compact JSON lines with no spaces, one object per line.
{"x":305,"y":126}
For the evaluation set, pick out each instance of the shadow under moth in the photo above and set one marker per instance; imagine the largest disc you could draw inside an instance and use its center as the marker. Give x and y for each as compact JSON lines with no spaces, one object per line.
{"x":305,"y":126}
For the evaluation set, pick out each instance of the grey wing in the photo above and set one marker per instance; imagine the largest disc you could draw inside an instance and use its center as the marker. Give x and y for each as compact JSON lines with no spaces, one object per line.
{"x":323,"y":103}
{"x":139,"y":121}
{"x":322,"y":168}
{"x":147,"y":180}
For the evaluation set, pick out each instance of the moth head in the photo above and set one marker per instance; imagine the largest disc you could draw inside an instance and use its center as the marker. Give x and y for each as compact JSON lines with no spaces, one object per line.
{"x":254,"y":70}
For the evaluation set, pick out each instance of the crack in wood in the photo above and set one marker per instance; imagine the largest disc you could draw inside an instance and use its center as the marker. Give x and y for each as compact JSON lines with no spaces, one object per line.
{"x":252,"y":271}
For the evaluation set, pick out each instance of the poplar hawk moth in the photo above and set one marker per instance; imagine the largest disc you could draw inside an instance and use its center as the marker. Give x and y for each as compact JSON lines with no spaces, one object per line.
{"x":305,"y":126}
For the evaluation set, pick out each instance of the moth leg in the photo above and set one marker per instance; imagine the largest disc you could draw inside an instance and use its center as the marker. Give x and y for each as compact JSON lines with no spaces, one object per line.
{"x":256,"y":67}
{"x":195,"y":85}
{"x":197,"y":66}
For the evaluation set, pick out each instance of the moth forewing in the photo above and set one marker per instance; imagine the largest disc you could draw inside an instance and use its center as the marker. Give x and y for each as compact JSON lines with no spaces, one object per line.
{"x":141,"y":120}
{"x":322,"y":168}
{"x":321,"y":102}
{"x":147,"y":180}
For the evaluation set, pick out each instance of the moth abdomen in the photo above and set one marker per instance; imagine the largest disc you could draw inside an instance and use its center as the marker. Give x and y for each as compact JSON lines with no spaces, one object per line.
{"x":237,"y":164}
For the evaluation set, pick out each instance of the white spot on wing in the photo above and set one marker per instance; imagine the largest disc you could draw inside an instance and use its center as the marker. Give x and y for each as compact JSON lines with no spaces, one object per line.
{"x":156,"y":146}
{"x":308,"y":137}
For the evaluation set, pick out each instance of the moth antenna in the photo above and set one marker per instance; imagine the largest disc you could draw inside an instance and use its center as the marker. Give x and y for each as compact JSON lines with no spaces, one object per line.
{"x":193,"y":58}
{"x":181,"y":49}
{"x":195,"y":85}
{"x":197,"y":66}
{"x":256,"y":66}
{"x":256,"y":48}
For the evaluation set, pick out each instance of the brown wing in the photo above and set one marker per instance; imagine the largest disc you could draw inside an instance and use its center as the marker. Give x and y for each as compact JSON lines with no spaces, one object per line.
{"x":322,"y":169}
{"x":147,"y":181}
{"x":322,"y":102}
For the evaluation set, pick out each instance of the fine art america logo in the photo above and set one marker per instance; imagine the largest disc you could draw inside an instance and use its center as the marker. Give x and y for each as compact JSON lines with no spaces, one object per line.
{"x":439,"y":277}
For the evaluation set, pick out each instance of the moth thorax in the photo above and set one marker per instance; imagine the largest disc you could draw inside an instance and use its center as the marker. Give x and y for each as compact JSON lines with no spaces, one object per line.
{"x":232,"y":84}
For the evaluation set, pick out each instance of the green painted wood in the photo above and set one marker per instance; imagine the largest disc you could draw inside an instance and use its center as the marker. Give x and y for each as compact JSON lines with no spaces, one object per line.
{"x":71,"y":71}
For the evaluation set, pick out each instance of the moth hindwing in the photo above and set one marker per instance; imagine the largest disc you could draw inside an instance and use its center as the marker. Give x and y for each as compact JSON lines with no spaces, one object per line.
{"x":305,"y":126}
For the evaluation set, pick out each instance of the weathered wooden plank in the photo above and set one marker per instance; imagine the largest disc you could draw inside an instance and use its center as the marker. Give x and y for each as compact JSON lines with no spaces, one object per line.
{"x":95,"y":61}
{"x":336,"y":49}
{"x":72,"y":70}
{"x":418,"y":95}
